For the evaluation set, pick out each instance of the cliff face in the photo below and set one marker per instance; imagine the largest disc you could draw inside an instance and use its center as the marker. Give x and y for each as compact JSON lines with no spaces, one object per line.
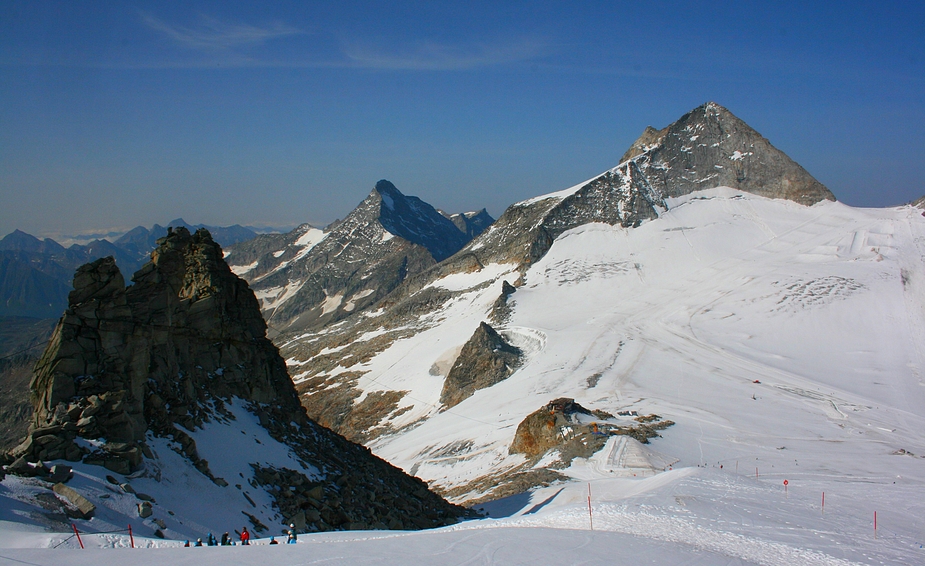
{"x":711,"y":147}
{"x":187,"y":326}
{"x":127,"y":366}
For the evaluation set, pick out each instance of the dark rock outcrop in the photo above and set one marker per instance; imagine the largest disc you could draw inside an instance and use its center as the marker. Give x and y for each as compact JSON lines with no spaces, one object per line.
{"x":501,"y":310}
{"x":164,"y":355}
{"x":486,"y":359}
{"x":710,"y":147}
{"x":543,"y":429}
{"x":558,"y":426}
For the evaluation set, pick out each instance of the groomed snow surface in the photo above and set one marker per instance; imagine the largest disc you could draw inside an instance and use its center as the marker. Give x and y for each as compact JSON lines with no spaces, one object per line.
{"x":692,"y":516}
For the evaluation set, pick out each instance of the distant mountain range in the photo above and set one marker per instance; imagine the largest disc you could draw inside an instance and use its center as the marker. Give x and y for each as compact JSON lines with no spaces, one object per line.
{"x":35,"y":274}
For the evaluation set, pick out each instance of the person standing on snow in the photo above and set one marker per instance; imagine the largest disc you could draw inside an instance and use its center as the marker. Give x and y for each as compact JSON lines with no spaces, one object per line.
{"x":245,"y":536}
{"x":291,"y":537}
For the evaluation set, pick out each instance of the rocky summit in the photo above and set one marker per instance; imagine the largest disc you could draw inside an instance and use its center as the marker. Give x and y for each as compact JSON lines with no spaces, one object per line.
{"x":706,"y":148}
{"x":132,"y":371}
{"x":710,"y":147}
{"x":311,"y":278}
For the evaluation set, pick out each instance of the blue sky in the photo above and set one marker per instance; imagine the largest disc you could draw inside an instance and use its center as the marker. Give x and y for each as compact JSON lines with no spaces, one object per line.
{"x":115,"y":114}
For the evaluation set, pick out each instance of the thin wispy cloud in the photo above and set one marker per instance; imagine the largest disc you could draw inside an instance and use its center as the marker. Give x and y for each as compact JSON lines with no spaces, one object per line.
{"x":215,"y":35}
{"x":433,"y":56}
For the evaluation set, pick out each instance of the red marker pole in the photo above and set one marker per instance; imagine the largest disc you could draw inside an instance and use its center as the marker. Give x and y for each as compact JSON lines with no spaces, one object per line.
{"x":756,"y":473}
{"x":131,"y":537}
{"x":590,"y":516}
{"x":786,"y":483}
{"x":875,"y":525}
{"x":823,"y":503}
{"x":78,"y":536}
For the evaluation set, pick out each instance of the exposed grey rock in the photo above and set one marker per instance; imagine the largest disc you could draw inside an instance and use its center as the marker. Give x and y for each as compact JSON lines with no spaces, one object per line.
{"x":470,"y":223}
{"x":501,"y":310}
{"x":541,"y":430}
{"x":710,"y":147}
{"x":485,"y":360}
{"x":164,"y":356}
{"x":77,"y":500}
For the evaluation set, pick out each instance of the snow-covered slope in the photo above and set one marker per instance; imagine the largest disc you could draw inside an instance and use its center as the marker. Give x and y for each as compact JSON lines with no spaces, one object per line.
{"x":780,"y":338}
{"x":680,"y":316}
{"x":693,"y":517}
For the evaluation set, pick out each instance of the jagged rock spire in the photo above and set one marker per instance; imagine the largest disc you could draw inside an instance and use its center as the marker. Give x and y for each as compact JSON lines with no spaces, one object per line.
{"x":167,"y":355}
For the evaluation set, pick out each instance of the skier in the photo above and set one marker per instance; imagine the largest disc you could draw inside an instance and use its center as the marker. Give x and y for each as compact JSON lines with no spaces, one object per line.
{"x":273,"y":540}
{"x":291,"y":538}
{"x":198,"y":542}
{"x":226,"y":540}
{"x":210,"y":540}
{"x":245,"y":536}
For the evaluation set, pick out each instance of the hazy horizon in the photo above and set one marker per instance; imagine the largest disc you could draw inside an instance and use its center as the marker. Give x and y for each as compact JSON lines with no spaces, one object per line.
{"x":227,"y":113}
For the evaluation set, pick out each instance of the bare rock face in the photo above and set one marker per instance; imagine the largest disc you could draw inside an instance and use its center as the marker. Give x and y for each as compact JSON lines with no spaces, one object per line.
{"x":710,"y":147}
{"x":486,"y":359}
{"x":164,"y":355}
{"x":501,"y":310}
{"x":542,"y":429}
{"x":125,"y":360}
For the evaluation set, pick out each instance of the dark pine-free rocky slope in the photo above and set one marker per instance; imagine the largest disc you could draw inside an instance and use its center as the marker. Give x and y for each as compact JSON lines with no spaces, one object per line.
{"x":170,"y":353}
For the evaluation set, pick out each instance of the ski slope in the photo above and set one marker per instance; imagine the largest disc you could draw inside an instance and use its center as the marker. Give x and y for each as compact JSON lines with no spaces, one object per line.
{"x":691,"y":516}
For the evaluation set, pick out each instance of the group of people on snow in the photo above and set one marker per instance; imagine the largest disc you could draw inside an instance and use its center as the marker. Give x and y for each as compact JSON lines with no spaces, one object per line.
{"x":244,"y":538}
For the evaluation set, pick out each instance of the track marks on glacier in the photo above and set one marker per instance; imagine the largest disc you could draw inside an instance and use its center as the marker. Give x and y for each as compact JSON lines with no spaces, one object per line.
{"x":801,"y":294}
